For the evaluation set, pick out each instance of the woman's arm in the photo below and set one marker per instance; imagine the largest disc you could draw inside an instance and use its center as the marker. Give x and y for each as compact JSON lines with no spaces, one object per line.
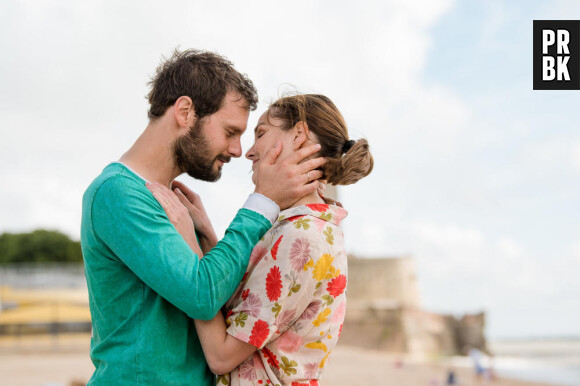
{"x":222,"y":351}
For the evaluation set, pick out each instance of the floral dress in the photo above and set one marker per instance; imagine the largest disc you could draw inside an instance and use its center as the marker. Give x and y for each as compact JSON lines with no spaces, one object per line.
{"x":291,"y":301}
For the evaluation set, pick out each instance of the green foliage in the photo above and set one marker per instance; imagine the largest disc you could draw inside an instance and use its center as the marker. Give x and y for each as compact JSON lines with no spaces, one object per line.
{"x":39,"y":246}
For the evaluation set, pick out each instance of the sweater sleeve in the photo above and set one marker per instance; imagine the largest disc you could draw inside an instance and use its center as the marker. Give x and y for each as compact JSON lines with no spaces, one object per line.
{"x":132,"y":224}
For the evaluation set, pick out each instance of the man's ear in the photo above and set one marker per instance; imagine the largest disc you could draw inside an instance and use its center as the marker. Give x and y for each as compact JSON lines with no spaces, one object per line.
{"x":184,"y":112}
{"x":300,"y":134}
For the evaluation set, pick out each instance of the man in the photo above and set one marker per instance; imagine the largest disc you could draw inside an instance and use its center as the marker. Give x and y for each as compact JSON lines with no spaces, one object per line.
{"x":145,"y":283}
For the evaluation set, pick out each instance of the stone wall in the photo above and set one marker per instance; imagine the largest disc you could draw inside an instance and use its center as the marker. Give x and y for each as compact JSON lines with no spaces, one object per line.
{"x":384,"y":313}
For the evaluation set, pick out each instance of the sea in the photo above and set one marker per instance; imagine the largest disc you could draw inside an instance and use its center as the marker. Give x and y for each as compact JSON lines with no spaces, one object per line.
{"x":554,"y":361}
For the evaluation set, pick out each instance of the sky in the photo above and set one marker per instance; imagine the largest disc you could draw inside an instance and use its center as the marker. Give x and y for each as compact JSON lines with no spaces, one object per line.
{"x":477,"y":176}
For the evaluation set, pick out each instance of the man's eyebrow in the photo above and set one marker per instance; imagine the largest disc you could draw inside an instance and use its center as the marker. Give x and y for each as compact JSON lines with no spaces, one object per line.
{"x":234,"y":128}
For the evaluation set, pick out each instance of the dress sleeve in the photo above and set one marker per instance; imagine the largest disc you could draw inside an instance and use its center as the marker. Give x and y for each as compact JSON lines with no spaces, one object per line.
{"x":281,"y":285}
{"x":132,"y":224}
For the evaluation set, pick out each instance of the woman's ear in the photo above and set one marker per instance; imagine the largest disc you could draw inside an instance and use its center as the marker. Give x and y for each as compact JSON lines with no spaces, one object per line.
{"x":300,"y":134}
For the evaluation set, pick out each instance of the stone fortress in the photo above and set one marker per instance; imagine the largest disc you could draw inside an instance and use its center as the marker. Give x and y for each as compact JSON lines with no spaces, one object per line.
{"x":383,"y":312}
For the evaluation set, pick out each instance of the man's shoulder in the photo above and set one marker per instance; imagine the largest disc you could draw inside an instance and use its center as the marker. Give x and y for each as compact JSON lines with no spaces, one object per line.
{"x":114,"y":176}
{"x":116,"y":182}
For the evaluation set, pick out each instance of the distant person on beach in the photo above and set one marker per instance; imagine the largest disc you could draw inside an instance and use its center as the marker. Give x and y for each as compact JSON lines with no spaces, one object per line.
{"x":145,"y":283}
{"x":286,"y":315}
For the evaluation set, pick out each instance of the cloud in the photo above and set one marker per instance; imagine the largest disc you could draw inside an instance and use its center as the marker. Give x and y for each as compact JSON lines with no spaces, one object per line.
{"x":474,"y":172}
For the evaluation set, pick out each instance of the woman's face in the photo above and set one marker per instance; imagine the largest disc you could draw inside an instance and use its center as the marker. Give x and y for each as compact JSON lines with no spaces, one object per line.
{"x":266,"y":133}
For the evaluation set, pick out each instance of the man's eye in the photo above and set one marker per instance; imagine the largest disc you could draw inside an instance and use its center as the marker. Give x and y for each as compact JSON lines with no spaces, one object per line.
{"x":229,"y":133}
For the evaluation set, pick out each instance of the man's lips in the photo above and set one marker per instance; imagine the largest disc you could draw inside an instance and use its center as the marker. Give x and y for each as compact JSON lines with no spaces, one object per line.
{"x":224,"y":160}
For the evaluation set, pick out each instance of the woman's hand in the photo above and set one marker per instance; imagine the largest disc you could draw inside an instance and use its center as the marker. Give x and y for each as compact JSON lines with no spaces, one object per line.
{"x":201,"y":221}
{"x":177,"y":213}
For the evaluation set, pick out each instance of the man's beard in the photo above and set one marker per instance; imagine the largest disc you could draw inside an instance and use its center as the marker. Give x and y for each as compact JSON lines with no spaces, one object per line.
{"x":191,"y":153}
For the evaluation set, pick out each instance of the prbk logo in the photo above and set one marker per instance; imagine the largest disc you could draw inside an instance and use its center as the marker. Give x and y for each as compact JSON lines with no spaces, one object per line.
{"x":556,"y":54}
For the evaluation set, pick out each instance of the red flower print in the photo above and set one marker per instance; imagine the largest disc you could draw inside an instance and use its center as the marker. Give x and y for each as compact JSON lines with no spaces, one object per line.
{"x":274,"y":284}
{"x":313,"y":382}
{"x":230,"y":313}
{"x":275,"y":247}
{"x":299,"y":384}
{"x":336,"y":286}
{"x":295,"y":217}
{"x":318,"y":207}
{"x":245,"y":294}
{"x":340,"y":330}
{"x":269,"y":355}
{"x":260,"y":332}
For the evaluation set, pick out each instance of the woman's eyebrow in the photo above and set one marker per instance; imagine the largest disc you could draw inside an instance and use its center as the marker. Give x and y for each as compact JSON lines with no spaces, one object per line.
{"x":258,"y":125}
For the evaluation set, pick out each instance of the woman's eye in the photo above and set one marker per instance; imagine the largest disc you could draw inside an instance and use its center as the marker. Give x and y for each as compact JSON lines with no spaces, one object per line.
{"x":260,"y":133}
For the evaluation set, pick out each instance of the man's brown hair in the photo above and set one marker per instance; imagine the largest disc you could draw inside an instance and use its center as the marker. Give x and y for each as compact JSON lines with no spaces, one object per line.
{"x":205,"y":77}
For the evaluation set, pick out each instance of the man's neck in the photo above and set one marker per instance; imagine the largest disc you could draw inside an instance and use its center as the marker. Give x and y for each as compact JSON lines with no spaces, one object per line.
{"x":151,"y":156}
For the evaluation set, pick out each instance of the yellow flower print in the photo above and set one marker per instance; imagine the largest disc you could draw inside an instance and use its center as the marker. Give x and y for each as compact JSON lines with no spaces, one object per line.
{"x":322,"y":266}
{"x":323,"y":361}
{"x":321,"y":318}
{"x":318,"y":345}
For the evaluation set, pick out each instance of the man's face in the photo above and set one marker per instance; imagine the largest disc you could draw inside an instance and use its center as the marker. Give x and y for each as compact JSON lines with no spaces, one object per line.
{"x":212,"y":141}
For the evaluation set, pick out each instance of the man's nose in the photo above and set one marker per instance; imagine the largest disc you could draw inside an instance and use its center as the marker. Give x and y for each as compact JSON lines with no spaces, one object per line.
{"x":235,"y":148}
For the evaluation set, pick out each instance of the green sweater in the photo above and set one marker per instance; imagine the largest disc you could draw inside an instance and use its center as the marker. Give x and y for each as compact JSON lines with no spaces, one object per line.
{"x":145,"y":284}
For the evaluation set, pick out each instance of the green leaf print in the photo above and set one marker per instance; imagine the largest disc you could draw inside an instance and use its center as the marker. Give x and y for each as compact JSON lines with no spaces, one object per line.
{"x":240,"y":319}
{"x":326,"y":216}
{"x":222,"y":379}
{"x":329,"y":236}
{"x":303,"y":222}
{"x":327,"y":300}
{"x":288,"y":366}
{"x":276,"y":309}
{"x":294,"y":289}
{"x":318,"y":284}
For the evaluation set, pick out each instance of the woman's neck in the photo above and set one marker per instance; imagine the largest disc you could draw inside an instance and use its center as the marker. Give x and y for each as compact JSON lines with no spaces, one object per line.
{"x":312,"y":198}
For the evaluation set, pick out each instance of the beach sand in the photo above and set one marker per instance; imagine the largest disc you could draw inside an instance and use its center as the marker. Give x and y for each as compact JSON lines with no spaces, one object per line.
{"x":50,"y":361}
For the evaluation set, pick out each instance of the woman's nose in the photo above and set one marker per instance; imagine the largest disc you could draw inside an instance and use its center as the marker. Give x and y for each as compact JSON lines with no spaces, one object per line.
{"x":250,"y":153}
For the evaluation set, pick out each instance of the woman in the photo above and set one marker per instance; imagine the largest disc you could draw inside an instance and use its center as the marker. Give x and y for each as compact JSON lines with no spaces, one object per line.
{"x":285,"y":318}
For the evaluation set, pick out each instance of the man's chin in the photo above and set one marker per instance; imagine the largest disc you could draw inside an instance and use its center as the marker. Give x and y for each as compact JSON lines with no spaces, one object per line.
{"x":207,"y":177}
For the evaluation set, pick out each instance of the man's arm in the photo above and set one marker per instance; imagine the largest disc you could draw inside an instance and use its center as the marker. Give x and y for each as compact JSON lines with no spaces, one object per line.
{"x":132,"y":224}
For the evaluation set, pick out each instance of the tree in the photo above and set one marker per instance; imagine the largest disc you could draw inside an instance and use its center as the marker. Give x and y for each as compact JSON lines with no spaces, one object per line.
{"x":38,"y":246}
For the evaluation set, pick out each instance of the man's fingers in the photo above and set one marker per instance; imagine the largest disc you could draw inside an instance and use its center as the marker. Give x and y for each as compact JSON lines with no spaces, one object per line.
{"x":311,"y":164}
{"x":307,"y":188}
{"x":272,"y":154}
{"x":313,"y":175}
{"x":300,"y":154}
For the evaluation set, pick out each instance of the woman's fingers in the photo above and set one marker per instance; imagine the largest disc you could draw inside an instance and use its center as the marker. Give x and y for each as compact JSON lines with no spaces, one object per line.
{"x":183,"y":199}
{"x":166,"y":198}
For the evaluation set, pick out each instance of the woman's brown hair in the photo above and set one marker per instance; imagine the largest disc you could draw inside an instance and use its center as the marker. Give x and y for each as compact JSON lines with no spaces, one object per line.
{"x":347,"y":160}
